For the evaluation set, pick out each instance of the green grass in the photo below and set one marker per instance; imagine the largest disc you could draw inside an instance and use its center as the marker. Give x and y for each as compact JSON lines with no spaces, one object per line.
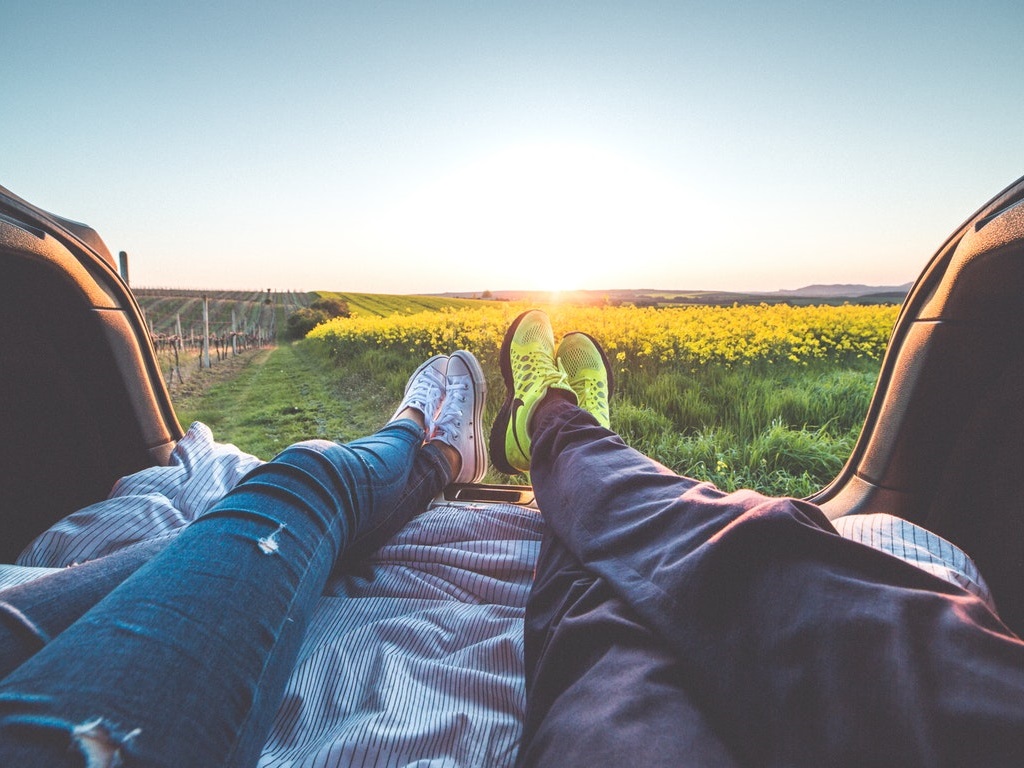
{"x":382,"y":305}
{"x":287,"y":396}
{"x":782,"y":431}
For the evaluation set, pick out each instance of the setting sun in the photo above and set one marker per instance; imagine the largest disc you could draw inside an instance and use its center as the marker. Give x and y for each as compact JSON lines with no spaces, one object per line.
{"x":562,"y":216}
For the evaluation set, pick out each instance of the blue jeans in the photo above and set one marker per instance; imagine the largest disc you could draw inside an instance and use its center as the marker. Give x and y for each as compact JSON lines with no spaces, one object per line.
{"x":184,"y":658}
{"x":673,"y":624}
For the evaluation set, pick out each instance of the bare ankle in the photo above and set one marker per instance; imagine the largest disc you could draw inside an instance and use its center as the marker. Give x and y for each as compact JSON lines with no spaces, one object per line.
{"x":413,"y":414}
{"x":452,"y":456}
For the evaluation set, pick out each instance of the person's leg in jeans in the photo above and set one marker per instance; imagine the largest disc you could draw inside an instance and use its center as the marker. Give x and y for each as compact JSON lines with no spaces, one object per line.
{"x":185,"y":661}
{"x":799,"y":647}
{"x":33,"y":613}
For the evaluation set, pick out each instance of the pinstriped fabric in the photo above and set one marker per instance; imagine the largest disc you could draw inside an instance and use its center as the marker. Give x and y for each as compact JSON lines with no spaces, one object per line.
{"x":419,"y":659}
{"x":917,"y":546}
{"x":153,"y":502}
{"x":12,"y":575}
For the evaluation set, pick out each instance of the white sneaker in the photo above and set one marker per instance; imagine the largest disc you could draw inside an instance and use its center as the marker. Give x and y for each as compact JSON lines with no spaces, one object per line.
{"x":425,"y":390}
{"x":460,"y":421}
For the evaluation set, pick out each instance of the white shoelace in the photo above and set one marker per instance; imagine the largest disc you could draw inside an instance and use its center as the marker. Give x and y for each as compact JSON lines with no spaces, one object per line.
{"x":449,"y":421}
{"x":424,"y":395}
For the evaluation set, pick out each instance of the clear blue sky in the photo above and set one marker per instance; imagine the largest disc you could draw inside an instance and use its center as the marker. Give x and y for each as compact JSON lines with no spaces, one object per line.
{"x":441,"y":146}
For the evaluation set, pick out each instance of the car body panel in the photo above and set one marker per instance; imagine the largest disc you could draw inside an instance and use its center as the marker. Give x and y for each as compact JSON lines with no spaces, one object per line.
{"x":81,"y":399}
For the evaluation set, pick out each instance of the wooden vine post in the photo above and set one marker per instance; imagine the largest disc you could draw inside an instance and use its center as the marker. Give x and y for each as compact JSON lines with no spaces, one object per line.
{"x":206,"y":333}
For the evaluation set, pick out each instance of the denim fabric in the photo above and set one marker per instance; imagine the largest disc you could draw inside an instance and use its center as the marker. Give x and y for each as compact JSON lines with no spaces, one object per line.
{"x":33,"y":613}
{"x":768,"y":638}
{"x":184,"y":662}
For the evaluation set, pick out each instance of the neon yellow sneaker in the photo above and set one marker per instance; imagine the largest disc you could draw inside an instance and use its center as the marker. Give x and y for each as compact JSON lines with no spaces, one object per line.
{"x":588,"y":373}
{"x":529,"y":370}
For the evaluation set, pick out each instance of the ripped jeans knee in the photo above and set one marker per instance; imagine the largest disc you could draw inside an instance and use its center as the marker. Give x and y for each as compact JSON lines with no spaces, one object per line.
{"x":101,"y":745}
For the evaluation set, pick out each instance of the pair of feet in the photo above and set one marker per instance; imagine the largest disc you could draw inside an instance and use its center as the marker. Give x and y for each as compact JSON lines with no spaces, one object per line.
{"x":449,"y":391}
{"x":532,"y":367}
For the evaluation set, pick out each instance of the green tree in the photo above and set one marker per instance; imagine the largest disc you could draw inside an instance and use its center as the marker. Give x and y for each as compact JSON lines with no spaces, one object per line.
{"x":332,"y":307}
{"x":302,"y":321}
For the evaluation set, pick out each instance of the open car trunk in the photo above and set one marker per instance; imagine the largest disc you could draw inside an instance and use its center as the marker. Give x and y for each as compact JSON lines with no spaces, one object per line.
{"x":83,"y":403}
{"x":81,"y":400}
{"x":943,"y":442}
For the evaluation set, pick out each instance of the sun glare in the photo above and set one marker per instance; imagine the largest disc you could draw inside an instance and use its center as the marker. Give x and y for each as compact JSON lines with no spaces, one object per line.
{"x":565,"y":216}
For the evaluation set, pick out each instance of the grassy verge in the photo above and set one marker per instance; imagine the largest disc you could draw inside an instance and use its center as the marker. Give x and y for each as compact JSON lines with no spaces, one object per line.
{"x":187,"y":393}
{"x":785,"y":431}
{"x":782,"y":431}
{"x":282,"y":396}
{"x":769,"y":398}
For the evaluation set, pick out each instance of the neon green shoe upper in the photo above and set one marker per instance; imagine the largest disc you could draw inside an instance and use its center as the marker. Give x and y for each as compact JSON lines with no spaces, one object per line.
{"x":588,"y":373}
{"x":529,"y":369}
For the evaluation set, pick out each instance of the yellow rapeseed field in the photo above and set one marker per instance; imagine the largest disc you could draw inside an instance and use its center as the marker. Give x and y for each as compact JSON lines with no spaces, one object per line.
{"x":768,"y":397}
{"x":639,"y":338}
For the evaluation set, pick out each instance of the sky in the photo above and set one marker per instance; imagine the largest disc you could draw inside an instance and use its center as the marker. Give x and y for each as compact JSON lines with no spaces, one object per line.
{"x":426,"y":147}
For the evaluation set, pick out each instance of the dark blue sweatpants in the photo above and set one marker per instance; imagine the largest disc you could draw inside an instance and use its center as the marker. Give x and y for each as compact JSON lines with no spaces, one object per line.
{"x":672,"y":624}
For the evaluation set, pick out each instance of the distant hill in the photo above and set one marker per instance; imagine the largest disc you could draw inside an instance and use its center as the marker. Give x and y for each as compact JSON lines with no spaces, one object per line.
{"x":811,"y":294}
{"x":850,"y":290}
